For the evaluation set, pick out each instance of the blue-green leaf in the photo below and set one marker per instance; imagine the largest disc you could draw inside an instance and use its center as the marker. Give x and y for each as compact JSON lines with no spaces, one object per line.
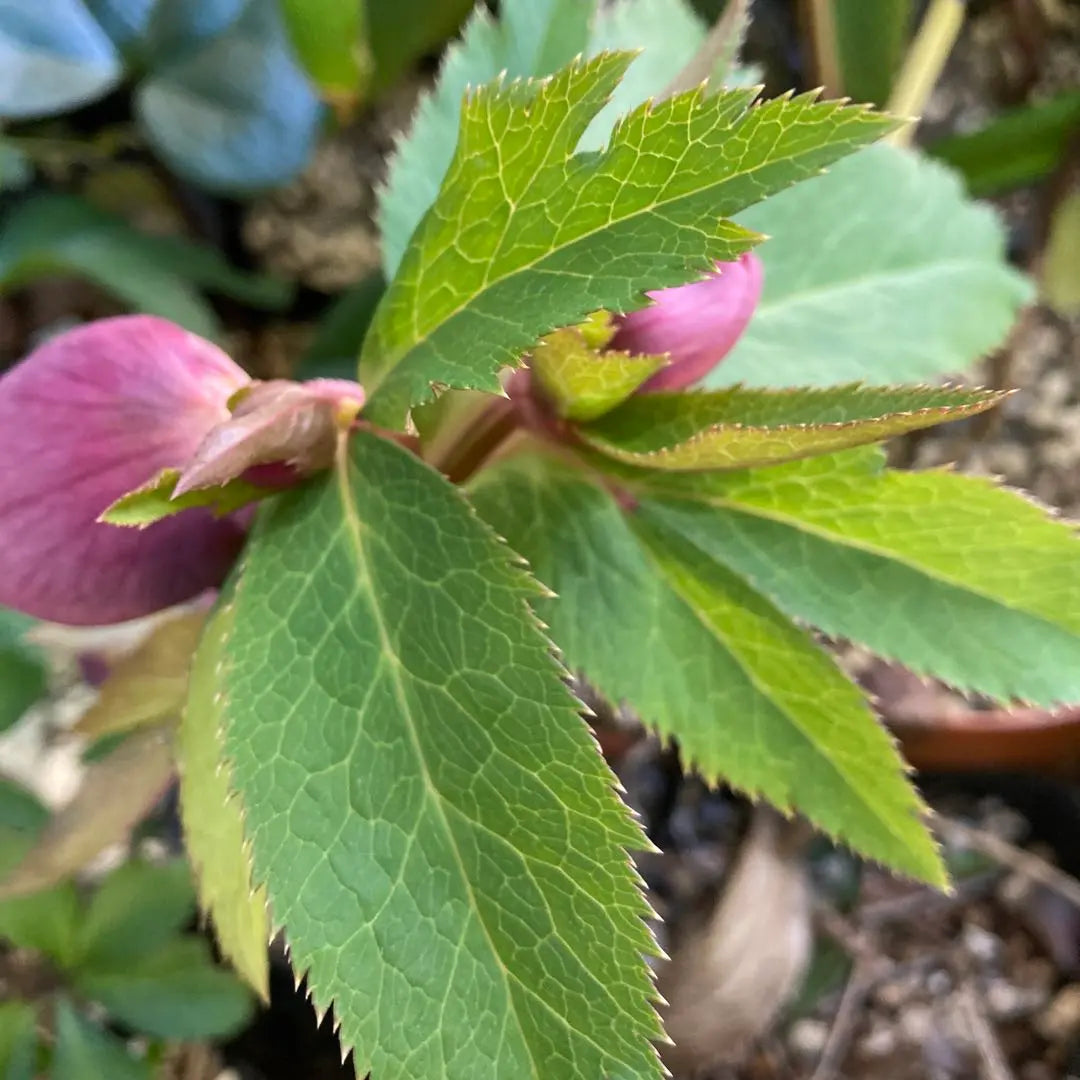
{"x":237,"y":114}
{"x":53,"y":56}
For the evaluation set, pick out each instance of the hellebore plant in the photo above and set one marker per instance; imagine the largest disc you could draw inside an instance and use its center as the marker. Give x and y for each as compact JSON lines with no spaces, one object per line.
{"x":380,"y":753}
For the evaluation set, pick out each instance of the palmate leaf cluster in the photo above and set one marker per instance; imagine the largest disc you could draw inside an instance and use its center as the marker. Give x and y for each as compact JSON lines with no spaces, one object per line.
{"x":380,"y":748}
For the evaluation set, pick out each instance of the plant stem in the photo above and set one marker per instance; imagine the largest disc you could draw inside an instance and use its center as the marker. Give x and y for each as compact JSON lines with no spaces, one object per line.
{"x":479,"y":441}
{"x":820,"y":21}
{"x":924,"y":63}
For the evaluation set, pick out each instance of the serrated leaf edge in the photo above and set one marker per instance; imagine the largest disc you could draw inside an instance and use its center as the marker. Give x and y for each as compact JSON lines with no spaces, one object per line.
{"x":529,"y":584}
{"x":234,"y":800}
{"x":945,"y":412}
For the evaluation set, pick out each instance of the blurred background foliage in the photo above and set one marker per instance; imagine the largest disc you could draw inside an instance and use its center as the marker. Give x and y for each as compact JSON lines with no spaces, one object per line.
{"x":224,"y":164}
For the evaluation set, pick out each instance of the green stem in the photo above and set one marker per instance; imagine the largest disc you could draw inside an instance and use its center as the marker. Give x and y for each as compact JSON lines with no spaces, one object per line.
{"x":924,"y":63}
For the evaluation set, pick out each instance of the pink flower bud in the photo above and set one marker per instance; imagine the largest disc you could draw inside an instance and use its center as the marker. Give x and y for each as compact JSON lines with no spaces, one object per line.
{"x":278,"y":433}
{"x":89,"y":416}
{"x":696,"y":324}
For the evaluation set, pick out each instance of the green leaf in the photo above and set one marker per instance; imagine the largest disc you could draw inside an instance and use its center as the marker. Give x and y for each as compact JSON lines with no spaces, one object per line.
{"x":950,"y":575}
{"x":556,"y":237}
{"x":155,"y":500}
{"x":532,"y":38}
{"x":738,"y":429}
{"x":341,"y":331}
{"x":438,"y":834}
{"x":60,"y":234}
{"x":138,"y":908}
{"x":582,"y":383}
{"x":213,"y":818}
{"x":18,"y":1040}
{"x":20,"y":810}
{"x":330,"y":41}
{"x":701,"y":655}
{"x":175,"y":992}
{"x":882,"y":272}
{"x":1021,"y":146}
{"x":85,"y":1052}
{"x":24,"y":674}
{"x":1060,"y":270}
{"x":870,"y":43}
{"x":402,"y":32}
{"x":46,"y":922}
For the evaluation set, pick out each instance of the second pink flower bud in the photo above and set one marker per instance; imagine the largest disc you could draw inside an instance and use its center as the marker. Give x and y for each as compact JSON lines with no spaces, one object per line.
{"x":697,"y":325}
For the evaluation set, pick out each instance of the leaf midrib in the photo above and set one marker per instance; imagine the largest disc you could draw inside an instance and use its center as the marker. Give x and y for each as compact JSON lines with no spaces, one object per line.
{"x":392,"y":362}
{"x":364,"y":583}
{"x":351,"y":518}
{"x":748,"y":672}
{"x":822,"y":533}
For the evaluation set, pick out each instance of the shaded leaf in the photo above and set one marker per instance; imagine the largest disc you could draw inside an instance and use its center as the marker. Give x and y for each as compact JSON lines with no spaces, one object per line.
{"x":563,"y":236}
{"x":84,"y":1052}
{"x":176,"y":30}
{"x":175,"y":992}
{"x":880,"y":271}
{"x":333,"y":352}
{"x":157,"y":499}
{"x":46,"y":922}
{"x":1060,"y":270}
{"x":330,"y":40}
{"x":236,"y":114}
{"x":125,"y":21}
{"x":700,"y":654}
{"x":16,"y":169}
{"x":18,"y":1040}
{"x":213,"y":818}
{"x":737,"y":428}
{"x":20,"y":809}
{"x":116,"y":793}
{"x":138,"y":908}
{"x":532,"y":38}
{"x":150,"y":685}
{"x":582,"y":383}
{"x":24,"y":671}
{"x":950,"y":575}
{"x":59,"y":234}
{"x":53,"y":56}
{"x":1019,"y":147}
{"x":870,"y":42}
{"x":403,"y":32}
{"x":438,"y":834}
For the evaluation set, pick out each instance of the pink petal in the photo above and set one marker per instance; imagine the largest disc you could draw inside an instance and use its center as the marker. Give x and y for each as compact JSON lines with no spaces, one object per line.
{"x":274,"y":424}
{"x":85,"y":418}
{"x":698,"y":324}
